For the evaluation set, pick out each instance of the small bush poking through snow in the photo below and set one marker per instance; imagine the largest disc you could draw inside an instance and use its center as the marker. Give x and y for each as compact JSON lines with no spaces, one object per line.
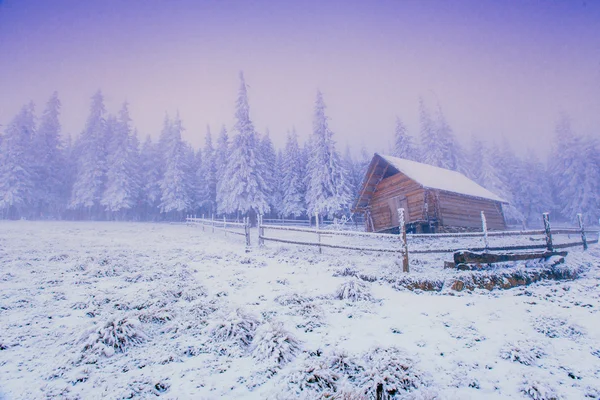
{"x":538,"y":390}
{"x":312,"y":380}
{"x":272,"y":343}
{"x":554,"y":327}
{"x":524,"y":352}
{"x":381,"y":373}
{"x":115,"y":336}
{"x":237,"y":327}
{"x":389,"y":372}
{"x":348,"y":271}
{"x":353,"y":290}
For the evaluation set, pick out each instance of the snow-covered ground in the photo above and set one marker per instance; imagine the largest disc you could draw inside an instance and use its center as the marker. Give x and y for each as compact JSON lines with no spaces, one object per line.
{"x":126,"y":310}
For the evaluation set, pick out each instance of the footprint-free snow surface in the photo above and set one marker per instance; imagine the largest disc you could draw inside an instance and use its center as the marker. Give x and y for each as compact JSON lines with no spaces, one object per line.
{"x":124,"y":310}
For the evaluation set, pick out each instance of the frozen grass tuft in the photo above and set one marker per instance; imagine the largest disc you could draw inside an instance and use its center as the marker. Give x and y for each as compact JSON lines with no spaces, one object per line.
{"x":525,"y":352}
{"x":238,"y":327}
{"x":116,"y":336}
{"x":389,"y":372}
{"x":537,"y":390}
{"x":554,"y":327}
{"x":275,"y":345}
{"x":380,"y":373}
{"x":353,"y":290}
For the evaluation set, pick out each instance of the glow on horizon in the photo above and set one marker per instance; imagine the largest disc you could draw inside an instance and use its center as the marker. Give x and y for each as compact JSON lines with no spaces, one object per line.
{"x":497,"y":68}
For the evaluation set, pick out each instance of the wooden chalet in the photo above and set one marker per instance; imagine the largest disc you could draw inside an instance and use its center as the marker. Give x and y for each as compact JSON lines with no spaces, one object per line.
{"x":434,"y":199}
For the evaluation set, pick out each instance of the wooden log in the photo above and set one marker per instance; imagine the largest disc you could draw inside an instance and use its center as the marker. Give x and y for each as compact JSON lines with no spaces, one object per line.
{"x":470,"y":257}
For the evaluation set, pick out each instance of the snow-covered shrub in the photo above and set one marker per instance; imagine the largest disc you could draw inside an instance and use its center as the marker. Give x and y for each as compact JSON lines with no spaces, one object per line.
{"x":538,"y":390}
{"x":115,"y":336}
{"x":353,"y":290}
{"x":389,"y":372}
{"x":291,"y":299}
{"x":554,"y":327}
{"x":313,"y":379}
{"x":157,"y":315}
{"x":524,"y":352}
{"x":274,"y":344}
{"x":238,"y":327}
{"x":380,"y":373}
{"x":347,"y":271}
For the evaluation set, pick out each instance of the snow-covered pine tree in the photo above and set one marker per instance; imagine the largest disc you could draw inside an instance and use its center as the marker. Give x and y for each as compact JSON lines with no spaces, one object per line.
{"x":487,"y":172}
{"x":354,"y":174}
{"x":292,"y":204}
{"x":279,"y":188}
{"x":49,"y":162}
{"x":150,"y":178}
{"x":221,"y":158}
{"x":404,"y":146}
{"x":209,"y":169}
{"x":199,"y":184}
{"x":581,"y":192}
{"x":175,"y":191}
{"x":431,"y":152}
{"x":122,"y":180}
{"x":293,"y":179}
{"x":532,"y":193}
{"x":270,"y":174}
{"x":244,"y":189}
{"x":448,"y":146}
{"x":17,"y":173}
{"x":328,"y":190}
{"x":91,"y":164}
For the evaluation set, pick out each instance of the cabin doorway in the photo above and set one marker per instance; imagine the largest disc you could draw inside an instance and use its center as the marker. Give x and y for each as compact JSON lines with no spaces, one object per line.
{"x":395,"y":203}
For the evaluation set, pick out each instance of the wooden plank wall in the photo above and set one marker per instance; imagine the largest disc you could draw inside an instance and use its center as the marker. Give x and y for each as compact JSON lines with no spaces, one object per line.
{"x":393,"y":186}
{"x":457,"y":210}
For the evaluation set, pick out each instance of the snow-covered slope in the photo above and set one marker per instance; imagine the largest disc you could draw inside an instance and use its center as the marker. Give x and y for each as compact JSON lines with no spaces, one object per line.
{"x":124,"y":310}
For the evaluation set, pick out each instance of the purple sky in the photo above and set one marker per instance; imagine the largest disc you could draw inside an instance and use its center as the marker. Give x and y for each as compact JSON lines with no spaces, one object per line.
{"x":498,"y":68}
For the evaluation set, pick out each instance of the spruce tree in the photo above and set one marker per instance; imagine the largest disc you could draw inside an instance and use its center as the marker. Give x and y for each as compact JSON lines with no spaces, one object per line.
{"x":122,"y":180}
{"x":244,"y":189}
{"x":91,"y":164}
{"x":328,"y":192}
{"x":150,"y":177}
{"x":17,"y":172}
{"x":221,"y":158}
{"x":176,"y":193}
{"x":50,"y":162}
{"x":209,"y":170}
{"x":268,"y":158}
{"x":293,"y":179}
{"x":403,"y":143}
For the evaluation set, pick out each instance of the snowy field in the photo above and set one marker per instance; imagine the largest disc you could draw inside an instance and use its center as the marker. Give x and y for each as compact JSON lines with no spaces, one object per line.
{"x":124,"y":310}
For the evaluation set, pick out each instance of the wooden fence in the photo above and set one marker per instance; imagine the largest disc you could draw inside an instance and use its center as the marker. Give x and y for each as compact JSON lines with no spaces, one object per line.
{"x":223,"y":225}
{"x":402,"y":240}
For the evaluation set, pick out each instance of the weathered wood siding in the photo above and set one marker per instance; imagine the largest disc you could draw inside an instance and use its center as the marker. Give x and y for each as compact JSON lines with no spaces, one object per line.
{"x":395,"y":186}
{"x":458,"y":210}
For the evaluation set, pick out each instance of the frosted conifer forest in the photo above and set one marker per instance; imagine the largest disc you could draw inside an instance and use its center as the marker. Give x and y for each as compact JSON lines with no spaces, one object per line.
{"x":299,"y":200}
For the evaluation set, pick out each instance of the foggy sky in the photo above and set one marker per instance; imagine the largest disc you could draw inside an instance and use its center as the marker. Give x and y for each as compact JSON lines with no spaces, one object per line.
{"x":498,"y":68}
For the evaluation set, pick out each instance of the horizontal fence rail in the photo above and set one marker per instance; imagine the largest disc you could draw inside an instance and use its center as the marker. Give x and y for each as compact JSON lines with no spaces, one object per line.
{"x":222,"y":226}
{"x":403,"y":239}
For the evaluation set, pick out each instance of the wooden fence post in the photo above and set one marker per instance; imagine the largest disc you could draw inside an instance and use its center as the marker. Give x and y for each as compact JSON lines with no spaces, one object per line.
{"x":485,"y":232}
{"x":247,"y":231}
{"x":404,"y":244}
{"x":583,"y":237}
{"x":548,"y":232}
{"x":261,"y":231}
{"x":317,"y":230}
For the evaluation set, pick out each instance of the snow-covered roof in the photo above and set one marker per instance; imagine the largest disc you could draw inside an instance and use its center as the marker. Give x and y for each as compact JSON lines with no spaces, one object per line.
{"x":439,"y":178}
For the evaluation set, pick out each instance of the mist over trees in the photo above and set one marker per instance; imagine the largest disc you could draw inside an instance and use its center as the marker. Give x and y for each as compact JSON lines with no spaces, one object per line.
{"x":106,"y":174}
